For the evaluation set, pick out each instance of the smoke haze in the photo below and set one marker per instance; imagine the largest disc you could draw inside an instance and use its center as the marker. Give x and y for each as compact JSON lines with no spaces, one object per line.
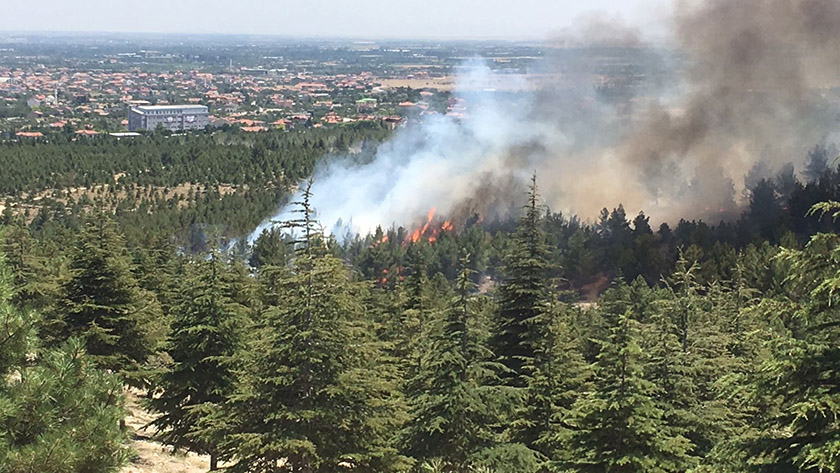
{"x":743,"y":88}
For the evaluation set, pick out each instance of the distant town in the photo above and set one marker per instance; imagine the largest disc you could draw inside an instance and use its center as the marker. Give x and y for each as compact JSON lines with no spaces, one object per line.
{"x":100,"y":84}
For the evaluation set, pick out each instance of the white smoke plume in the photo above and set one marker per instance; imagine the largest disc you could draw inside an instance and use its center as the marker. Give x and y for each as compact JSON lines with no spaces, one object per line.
{"x":751,"y":79}
{"x":439,"y":162}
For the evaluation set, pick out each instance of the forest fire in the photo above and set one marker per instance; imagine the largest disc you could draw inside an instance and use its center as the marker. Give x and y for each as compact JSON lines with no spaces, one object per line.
{"x":429,"y":231}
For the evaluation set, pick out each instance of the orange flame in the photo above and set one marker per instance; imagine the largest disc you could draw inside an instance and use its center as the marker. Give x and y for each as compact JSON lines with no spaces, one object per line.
{"x":383,"y":239}
{"x":389,"y":275}
{"x":429,"y":231}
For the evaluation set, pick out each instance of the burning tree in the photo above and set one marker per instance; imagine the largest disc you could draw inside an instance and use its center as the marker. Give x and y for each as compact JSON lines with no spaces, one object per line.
{"x":429,"y":231}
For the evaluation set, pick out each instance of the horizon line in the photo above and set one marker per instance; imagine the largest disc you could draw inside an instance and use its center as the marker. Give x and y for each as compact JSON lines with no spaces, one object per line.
{"x":351,"y":38}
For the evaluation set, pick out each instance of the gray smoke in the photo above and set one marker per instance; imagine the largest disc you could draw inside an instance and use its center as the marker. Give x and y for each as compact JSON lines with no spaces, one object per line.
{"x":746,"y":84}
{"x":755,"y":74}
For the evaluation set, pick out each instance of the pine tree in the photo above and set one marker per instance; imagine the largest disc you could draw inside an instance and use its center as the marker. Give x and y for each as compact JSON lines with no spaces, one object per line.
{"x":102,"y":303}
{"x":523,"y":291}
{"x":16,"y":327}
{"x":423,"y":304}
{"x":556,"y":376}
{"x":802,"y":374}
{"x":308,"y":399}
{"x":817,"y":165}
{"x":697,"y":359}
{"x":58,"y":413}
{"x":62,"y":416}
{"x":451,"y":417}
{"x":157,"y":269}
{"x":618,"y":425}
{"x":206,"y":327}
{"x":34,"y":282}
{"x":270,"y":249}
{"x":729,"y":419}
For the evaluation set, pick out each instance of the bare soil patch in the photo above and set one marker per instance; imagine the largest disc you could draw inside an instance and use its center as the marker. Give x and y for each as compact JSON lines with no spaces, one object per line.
{"x":151,"y":456}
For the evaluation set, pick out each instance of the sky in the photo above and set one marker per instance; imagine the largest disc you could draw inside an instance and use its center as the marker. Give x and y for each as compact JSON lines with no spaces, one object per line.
{"x":371,"y":19}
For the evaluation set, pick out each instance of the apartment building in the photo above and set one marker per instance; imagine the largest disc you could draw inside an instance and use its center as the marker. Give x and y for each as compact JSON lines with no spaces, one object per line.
{"x":171,"y":117}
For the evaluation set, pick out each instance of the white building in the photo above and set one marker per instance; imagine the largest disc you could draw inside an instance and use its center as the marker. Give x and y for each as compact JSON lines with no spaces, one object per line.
{"x":171,"y":117}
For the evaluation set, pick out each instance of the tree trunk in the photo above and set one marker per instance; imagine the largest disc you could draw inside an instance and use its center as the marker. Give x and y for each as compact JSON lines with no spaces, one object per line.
{"x":214,"y":462}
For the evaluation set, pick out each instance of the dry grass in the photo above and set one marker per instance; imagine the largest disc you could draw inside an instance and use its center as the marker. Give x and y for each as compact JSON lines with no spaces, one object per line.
{"x":152,"y":457}
{"x":513,"y":82}
{"x":439,"y":84}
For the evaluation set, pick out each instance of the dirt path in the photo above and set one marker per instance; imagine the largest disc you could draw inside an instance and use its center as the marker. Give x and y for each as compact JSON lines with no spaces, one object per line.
{"x":152,"y":457}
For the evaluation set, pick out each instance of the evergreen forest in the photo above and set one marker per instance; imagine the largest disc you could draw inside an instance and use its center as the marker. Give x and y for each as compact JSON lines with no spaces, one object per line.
{"x":541,"y":343}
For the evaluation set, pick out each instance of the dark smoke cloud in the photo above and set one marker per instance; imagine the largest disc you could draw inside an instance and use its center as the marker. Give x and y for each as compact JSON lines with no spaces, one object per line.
{"x":746,"y":84}
{"x":755,"y":69}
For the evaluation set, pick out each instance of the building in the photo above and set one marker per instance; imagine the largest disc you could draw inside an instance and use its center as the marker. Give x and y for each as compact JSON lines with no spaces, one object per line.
{"x":254,"y":72}
{"x":171,"y":117}
{"x":365,"y":105}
